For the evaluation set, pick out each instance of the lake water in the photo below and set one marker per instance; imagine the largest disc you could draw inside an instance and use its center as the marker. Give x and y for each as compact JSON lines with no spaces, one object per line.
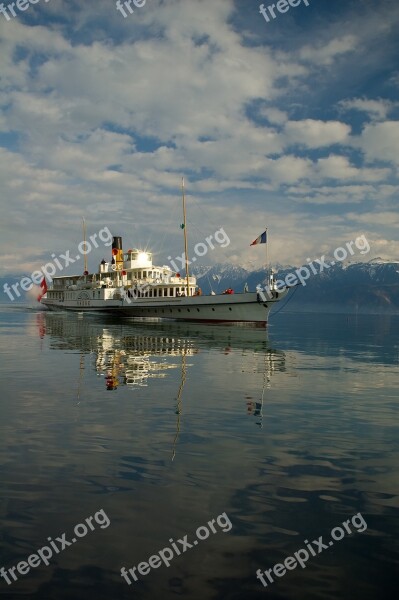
{"x":156,"y":430}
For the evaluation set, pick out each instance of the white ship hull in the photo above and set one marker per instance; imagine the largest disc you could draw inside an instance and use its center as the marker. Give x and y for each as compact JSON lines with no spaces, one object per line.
{"x":229,"y":308}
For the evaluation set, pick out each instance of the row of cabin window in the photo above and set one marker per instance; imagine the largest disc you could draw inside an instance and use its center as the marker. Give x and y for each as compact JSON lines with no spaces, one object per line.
{"x":151,"y":294}
{"x":145,"y":274}
{"x":72,"y":296}
{"x":158,"y":293}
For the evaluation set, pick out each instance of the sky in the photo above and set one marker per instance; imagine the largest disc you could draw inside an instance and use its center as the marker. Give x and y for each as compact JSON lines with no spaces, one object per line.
{"x":291,"y":124}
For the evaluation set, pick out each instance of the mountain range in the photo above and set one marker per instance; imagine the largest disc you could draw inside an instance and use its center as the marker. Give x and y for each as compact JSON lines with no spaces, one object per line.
{"x":366,"y":287}
{"x":358,"y":287}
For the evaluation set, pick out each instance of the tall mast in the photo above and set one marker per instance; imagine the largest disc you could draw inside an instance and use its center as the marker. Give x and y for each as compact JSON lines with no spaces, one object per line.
{"x":267,"y":261}
{"x":185,"y":235}
{"x":85,"y":245}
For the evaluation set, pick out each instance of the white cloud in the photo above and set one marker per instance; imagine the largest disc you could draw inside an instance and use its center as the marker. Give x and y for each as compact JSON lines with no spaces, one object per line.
{"x":376,"y":109}
{"x":339,"y":167}
{"x":337,"y":194}
{"x":385,"y":218}
{"x":275,"y":116}
{"x":316,"y":134}
{"x":380,"y":141}
{"x":325,"y":54}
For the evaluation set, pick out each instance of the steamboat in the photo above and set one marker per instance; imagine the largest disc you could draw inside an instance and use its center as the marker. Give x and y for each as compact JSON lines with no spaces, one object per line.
{"x":130,"y":285}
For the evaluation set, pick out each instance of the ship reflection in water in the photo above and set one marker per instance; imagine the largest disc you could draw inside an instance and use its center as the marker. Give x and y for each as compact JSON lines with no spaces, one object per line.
{"x":122,"y":358}
{"x":134,"y":354}
{"x":134,"y":360}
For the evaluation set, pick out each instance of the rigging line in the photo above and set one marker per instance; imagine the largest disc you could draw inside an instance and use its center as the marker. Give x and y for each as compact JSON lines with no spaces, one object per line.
{"x":192,"y":199}
{"x":172,"y":218}
{"x":284,"y":305}
{"x":195,"y":226}
{"x":179,"y":405}
{"x":199,"y":230}
{"x":203,"y":235}
{"x":161,"y":244}
{"x":81,"y":369}
{"x":209,"y":280}
{"x":263,"y":390}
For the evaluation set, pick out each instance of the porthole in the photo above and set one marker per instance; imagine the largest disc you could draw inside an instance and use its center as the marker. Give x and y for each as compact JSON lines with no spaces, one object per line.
{"x":230,"y":308}
{"x":213,"y":309}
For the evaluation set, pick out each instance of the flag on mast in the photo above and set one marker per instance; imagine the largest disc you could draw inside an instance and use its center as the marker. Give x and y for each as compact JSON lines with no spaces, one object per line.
{"x":262,"y":239}
{"x":43,"y":290}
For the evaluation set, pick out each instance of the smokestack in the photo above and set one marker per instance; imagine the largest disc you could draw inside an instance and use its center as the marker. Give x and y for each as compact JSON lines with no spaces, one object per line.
{"x":117,"y":253}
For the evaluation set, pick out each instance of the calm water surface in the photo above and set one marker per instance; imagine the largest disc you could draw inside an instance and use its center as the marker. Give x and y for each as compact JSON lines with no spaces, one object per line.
{"x":165,"y":427}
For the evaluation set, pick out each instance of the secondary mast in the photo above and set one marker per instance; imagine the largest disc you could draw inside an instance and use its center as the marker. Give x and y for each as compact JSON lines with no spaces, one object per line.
{"x":185,"y":235}
{"x":84,"y":240}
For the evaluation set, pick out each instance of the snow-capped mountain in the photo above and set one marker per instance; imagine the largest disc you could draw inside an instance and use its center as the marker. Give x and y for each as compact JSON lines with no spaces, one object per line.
{"x":369,"y":286}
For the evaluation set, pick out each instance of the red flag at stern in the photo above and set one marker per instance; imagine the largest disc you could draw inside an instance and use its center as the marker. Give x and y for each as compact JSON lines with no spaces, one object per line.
{"x":43,"y":290}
